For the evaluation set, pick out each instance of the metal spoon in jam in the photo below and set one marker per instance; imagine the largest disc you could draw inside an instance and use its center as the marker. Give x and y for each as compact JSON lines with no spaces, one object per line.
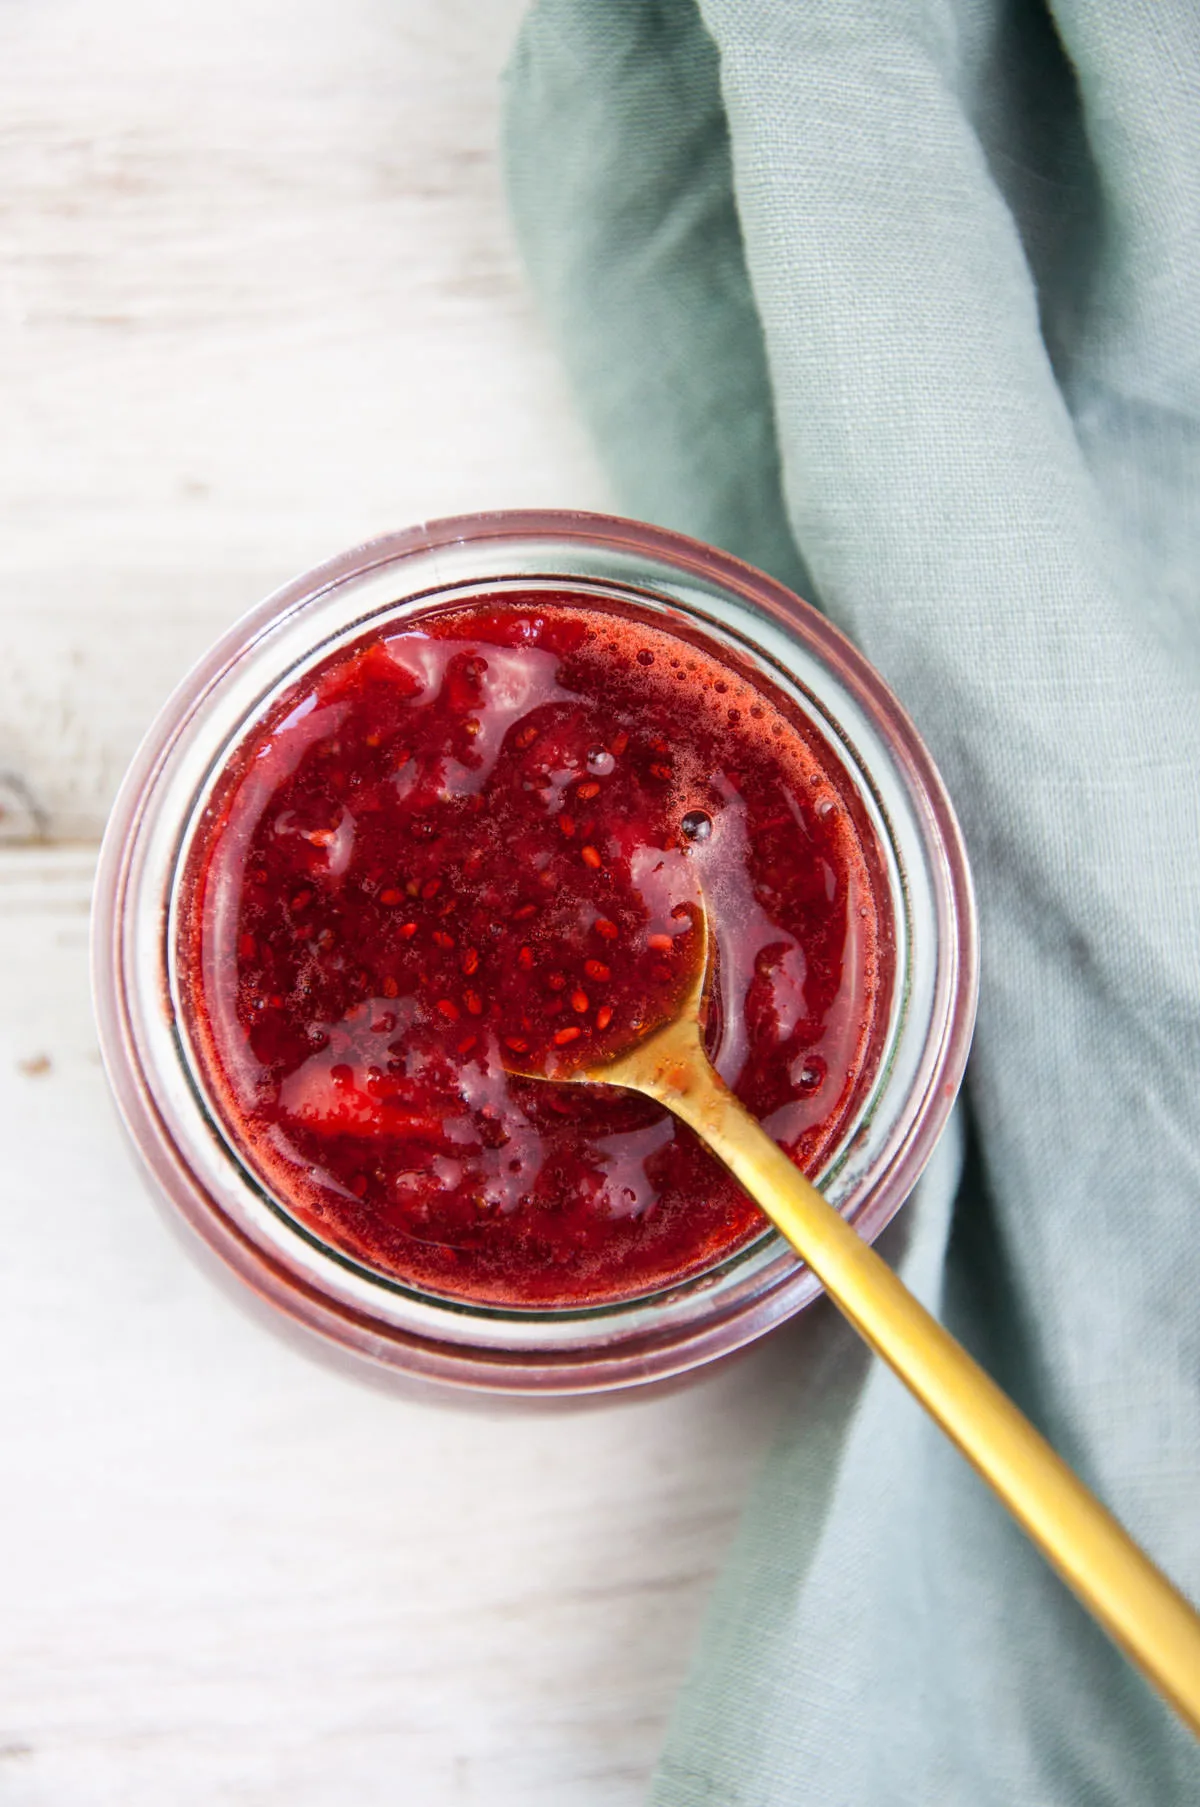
{"x":664,"y":1058}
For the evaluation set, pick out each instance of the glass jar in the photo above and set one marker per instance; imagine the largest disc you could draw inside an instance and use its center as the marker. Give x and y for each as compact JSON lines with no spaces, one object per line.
{"x":196,"y":1169}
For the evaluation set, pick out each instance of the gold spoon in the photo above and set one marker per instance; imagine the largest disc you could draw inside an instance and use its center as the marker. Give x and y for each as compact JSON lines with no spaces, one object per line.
{"x":1135,"y":1603}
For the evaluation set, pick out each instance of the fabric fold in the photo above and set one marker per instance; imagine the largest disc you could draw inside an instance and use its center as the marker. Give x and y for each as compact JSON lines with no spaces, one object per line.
{"x":897,"y":300}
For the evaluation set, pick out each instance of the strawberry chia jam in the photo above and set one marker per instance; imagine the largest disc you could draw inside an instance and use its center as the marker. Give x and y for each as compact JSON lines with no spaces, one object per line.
{"x":475,"y":841}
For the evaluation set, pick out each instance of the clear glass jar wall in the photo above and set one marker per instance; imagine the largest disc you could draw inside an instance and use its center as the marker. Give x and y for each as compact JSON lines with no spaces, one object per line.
{"x":195,"y":1168}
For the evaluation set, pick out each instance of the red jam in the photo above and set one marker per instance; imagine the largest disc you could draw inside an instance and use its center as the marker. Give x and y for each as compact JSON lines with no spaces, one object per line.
{"x":473,"y":841}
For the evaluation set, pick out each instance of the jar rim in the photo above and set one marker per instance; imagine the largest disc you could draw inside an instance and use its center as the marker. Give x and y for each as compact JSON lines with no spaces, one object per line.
{"x":612,"y":1357}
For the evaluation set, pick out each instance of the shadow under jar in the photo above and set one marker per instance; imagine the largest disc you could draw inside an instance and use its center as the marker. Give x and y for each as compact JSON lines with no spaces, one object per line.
{"x":448,"y":804}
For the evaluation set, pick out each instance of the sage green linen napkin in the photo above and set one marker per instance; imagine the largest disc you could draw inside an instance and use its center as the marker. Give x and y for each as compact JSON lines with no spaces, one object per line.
{"x":900,"y":299}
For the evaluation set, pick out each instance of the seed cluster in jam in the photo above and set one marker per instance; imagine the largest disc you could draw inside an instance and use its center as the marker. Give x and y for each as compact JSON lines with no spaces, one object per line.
{"x":471,"y":847}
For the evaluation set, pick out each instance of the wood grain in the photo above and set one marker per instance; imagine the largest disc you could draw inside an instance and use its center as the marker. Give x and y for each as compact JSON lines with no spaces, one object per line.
{"x":258,"y":301}
{"x":233,"y":1575}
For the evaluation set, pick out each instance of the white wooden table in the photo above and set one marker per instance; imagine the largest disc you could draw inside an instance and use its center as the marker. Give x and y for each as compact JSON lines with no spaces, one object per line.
{"x":258,"y":301}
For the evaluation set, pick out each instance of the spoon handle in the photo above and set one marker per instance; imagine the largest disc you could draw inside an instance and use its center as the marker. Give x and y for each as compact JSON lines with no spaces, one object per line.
{"x":1135,"y":1603}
